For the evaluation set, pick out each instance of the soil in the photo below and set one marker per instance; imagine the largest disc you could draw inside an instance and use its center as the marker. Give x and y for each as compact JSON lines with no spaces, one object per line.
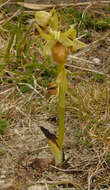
{"x":26,"y":161}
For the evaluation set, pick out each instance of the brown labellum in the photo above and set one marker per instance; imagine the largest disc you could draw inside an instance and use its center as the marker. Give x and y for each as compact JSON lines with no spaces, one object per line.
{"x":59,"y":53}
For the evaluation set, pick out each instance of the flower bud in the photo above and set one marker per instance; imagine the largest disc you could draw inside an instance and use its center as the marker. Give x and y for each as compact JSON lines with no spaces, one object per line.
{"x":42,"y":18}
{"x":59,"y":53}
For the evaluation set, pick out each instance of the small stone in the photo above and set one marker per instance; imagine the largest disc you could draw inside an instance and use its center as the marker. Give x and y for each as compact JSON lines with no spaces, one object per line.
{"x":7,"y":185}
{"x":1,"y":182}
{"x":3,"y":172}
{"x":41,"y":163}
{"x":2,"y":176}
{"x":37,"y":187}
{"x":97,"y":60}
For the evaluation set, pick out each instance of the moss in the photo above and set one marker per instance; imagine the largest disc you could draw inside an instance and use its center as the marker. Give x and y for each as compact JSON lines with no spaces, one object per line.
{"x":48,"y":76}
{"x":3,"y":126}
{"x":103,"y":24}
{"x":98,"y":77}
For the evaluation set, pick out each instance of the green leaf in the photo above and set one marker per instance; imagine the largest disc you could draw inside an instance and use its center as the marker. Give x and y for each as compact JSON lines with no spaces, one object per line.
{"x":2,"y":152}
{"x":52,"y":139}
{"x":3,"y":126}
{"x":10,"y":43}
{"x":24,"y":88}
{"x":23,"y":40}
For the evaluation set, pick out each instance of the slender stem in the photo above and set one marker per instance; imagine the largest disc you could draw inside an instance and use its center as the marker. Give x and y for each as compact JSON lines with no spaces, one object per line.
{"x":61,"y":103}
{"x":59,"y":67}
{"x":61,"y":124}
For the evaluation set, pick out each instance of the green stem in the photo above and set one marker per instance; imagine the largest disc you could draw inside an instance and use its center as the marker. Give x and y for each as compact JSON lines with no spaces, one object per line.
{"x":61,"y":104}
{"x":61,"y":122}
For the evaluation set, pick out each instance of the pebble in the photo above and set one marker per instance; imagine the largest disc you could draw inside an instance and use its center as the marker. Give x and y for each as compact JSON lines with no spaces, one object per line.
{"x":97,"y":60}
{"x":3,"y":176}
{"x":37,"y":187}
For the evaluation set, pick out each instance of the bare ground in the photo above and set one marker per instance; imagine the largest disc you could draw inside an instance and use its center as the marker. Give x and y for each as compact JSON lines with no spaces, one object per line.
{"x":87,"y":128}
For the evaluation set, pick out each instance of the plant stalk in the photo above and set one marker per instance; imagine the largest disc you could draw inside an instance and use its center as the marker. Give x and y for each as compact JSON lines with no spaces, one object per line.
{"x":61,"y":103}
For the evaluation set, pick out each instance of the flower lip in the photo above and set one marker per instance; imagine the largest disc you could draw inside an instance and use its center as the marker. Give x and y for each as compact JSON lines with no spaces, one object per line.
{"x":59,"y":53}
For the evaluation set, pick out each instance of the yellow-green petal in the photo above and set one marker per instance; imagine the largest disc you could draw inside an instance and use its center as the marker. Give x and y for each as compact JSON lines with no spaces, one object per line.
{"x":43,"y":34}
{"x":54,"y":20}
{"x":66,"y":41}
{"x":79,"y":44}
{"x":70,"y":33}
{"x":48,"y":46}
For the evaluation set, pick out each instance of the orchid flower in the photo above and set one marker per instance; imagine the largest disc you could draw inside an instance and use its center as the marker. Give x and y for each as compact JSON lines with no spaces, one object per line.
{"x":56,"y":45}
{"x":52,"y":34}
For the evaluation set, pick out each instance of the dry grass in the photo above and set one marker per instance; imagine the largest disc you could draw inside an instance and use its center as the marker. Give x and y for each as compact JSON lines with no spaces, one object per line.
{"x":87,"y":127}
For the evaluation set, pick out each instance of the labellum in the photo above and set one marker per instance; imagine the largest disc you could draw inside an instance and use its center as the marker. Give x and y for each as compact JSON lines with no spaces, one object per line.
{"x":59,"y":53}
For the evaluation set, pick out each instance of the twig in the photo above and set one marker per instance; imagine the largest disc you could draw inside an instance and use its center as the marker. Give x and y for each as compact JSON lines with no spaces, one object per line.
{"x":84,"y":12}
{"x":20,"y":111}
{"x":93,"y":44}
{"x":3,"y":4}
{"x":89,"y":70}
{"x":18,"y":89}
{"x":31,"y":87}
{"x":67,"y":170}
{"x":6,"y":91}
{"x":89,"y":181}
{"x":46,"y":6}
{"x":72,"y":57}
{"x":61,"y":182}
{"x":7,"y":20}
